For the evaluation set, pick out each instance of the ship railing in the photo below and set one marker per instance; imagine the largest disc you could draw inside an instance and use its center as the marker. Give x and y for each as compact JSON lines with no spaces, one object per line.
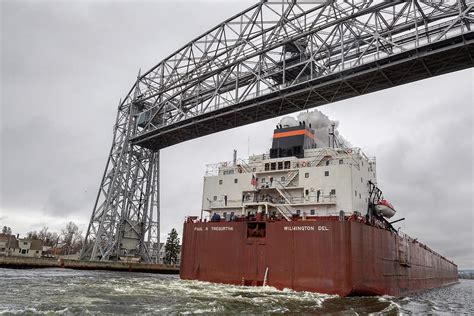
{"x":323,"y":199}
{"x":223,"y":204}
{"x":228,"y":167}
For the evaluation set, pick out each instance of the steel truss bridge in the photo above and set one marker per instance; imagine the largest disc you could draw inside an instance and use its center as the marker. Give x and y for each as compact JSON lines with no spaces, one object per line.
{"x":273,"y":58}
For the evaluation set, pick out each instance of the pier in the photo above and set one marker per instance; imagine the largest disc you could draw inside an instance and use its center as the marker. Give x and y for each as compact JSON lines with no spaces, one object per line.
{"x":34,"y":263}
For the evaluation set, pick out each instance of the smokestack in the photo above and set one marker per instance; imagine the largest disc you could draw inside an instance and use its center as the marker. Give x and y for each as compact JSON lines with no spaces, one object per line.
{"x":320,"y":123}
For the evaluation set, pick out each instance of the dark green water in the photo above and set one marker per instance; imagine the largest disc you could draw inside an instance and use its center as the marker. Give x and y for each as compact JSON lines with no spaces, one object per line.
{"x":60,"y":291}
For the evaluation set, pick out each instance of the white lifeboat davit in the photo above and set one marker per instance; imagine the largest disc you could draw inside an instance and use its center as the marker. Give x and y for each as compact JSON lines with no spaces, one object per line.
{"x":385,"y":208}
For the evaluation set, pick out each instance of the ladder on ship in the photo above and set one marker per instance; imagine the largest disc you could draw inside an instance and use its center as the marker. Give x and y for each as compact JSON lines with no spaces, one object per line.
{"x":321,"y":155}
{"x":285,"y":209}
{"x":290,"y":177}
{"x":403,"y":251}
{"x":244,"y":165}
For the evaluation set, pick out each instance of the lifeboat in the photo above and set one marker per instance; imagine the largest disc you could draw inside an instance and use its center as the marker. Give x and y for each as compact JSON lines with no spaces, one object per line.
{"x":385,"y":208}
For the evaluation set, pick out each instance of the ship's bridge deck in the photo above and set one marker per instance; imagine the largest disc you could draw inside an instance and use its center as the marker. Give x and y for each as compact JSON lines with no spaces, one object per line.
{"x":263,"y":163}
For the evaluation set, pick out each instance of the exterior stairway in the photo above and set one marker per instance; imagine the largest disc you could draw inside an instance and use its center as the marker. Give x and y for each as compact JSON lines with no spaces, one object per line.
{"x":323,"y":153}
{"x":290,"y":177}
{"x":245,"y":167}
{"x":285,"y":209}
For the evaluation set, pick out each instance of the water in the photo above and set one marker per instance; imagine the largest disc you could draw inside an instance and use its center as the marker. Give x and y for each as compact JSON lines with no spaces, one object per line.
{"x":62,"y":291}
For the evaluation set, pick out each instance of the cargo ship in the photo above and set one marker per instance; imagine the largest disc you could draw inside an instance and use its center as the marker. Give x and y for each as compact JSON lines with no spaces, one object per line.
{"x":305,"y":217}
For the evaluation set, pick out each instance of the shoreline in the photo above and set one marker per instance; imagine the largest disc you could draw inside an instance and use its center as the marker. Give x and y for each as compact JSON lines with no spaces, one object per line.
{"x":38,"y":263}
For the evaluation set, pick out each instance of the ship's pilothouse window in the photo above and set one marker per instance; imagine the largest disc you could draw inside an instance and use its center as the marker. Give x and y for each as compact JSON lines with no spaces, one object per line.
{"x":273,"y":166}
{"x":267,"y":166}
{"x":280,"y":165}
{"x":220,"y":181}
{"x":326,"y":173}
{"x":287,"y":165}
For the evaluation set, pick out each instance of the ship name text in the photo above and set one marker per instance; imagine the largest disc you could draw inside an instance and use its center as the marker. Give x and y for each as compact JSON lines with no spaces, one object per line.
{"x":305,"y":227}
{"x":214,"y":228}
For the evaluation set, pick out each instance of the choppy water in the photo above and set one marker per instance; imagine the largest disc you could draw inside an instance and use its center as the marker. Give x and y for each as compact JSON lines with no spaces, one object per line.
{"x":61,"y":291}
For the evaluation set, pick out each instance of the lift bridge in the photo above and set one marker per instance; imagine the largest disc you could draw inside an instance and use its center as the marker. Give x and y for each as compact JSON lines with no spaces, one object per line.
{"x":274,"y":58}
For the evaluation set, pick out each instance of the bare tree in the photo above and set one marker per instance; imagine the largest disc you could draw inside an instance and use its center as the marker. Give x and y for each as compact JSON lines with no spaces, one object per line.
{"x":32,"y":235}
{"x":72,"y":238}
{"x":48,"y":238}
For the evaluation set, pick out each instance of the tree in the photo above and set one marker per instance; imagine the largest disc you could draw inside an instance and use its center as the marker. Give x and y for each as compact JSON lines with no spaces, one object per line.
{"x":49,"y":238}
{"x":71,"y":237}
{"x":32,"y":235}
{"x":6,"y":230}
{"x":172,"y":248}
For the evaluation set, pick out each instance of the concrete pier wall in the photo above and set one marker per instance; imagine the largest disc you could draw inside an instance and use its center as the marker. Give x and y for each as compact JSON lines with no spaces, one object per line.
{"x":31,"y":263}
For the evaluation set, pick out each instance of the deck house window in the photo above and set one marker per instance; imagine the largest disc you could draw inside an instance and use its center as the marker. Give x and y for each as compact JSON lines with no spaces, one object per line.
{"x":306,"y":175}
{"x":326,"y":173}
{"x":312,"y":212}
{"x":341,"y":161}
{"x":220,"y":181}
{"x":287,"y":165}
{"x":267,"y":166}
{"x":273,"y":166}
{"x":236,"y":180}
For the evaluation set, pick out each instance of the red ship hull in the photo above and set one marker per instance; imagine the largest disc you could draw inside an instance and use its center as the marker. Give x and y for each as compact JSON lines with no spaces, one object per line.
{"x":325,"y":255}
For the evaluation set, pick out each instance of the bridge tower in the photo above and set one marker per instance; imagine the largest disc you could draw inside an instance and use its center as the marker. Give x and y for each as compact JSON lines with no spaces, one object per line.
{"x":274,"y":58}
{"x":126,"y":214}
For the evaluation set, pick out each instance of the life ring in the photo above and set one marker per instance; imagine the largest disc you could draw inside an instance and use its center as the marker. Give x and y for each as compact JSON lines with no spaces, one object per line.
{"x":303,"y":164}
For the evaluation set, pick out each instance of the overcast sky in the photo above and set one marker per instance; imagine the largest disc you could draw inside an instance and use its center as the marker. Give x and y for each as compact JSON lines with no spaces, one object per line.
{"x":65,"y":65}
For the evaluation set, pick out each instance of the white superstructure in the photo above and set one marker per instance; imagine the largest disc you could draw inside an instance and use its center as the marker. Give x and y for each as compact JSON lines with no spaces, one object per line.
{"x":321,"y":182}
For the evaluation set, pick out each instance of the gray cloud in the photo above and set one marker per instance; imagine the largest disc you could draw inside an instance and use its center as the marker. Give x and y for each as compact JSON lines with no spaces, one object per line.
{"x":65,"y":65}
